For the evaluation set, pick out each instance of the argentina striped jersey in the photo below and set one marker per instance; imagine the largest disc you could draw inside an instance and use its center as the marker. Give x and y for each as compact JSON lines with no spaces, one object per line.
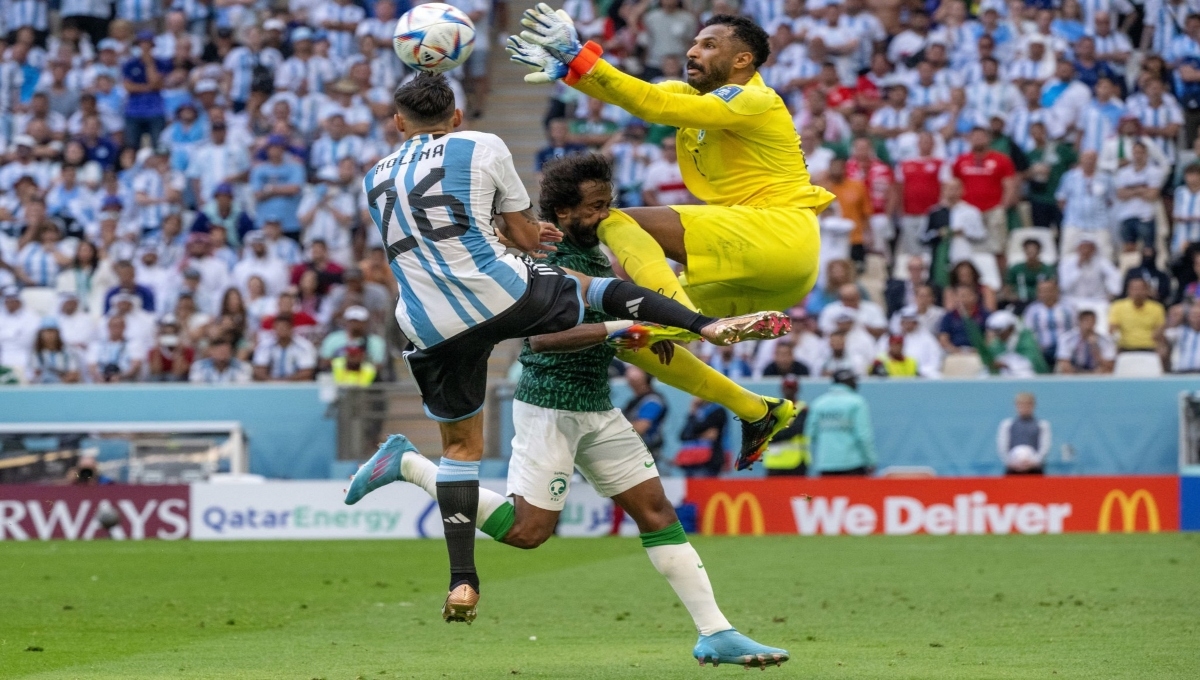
{"x":433,"y":202}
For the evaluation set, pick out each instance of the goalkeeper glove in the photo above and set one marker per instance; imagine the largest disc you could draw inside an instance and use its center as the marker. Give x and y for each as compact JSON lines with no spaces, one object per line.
{"x":546,"y":67}
{"x":554,"y":30}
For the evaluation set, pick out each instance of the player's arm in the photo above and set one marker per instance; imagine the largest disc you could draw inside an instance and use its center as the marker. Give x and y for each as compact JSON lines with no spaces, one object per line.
{"x":523,"y":230}
{"x":670,"y":103}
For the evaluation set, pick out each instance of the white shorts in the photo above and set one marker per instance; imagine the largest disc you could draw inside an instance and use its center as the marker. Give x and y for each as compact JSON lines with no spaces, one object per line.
{"x":550,"y":443}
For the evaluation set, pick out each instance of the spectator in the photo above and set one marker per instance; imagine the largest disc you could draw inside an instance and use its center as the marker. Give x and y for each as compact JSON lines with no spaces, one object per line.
{"x":277,"y":185}
{"x":918,"y":343}
{"x":854,"y":200}
{"x":1022,"y":280}
{"x":785,"y":364}
{"x":866,"y":315}
{"x":327,"y":272}
{"x":1011,"y":349}
{"x":286,"y":356}
{"x":1083,"y":350}
{"x":730,"y":362}
{"x":1184,"y":338}
{"x":1049,"y":161}
{"x":1048,"y":318}
{"x":145,"y":113}
{"x":663,"y":184}
{"x":78,"y":276}
{"x":170,"y":359}
{"x":52,"y":361}
{"x":961,"y":329}
{"x":1148,"y":271}
{"x":115,"y":358}
{"x":226,"y":211}
{"x":18,"y":329}
{"x":966,"y":274}
{"x":893,"y":362}
{"x":954,"y":232}
{"x":702,"y":440}
{"x":221,"y":366}
{"x":257,"y":262}
{"x":900,"y":293}
{"x":352,"y":368}
{"x":1136,"y":320}
{"x":631,"y":154}
{"x":788,"y":454}
{"x":557,"y":133}
{"x":646,"y":409}
{"x":669,"y":30}
{"x":1024,"y":441}
{"x":839,"y":429}
{"x":920,"y":191}
{"x":1088,"y":281}
{"x":76,"y":326}
{"x":1085,"y":196}
{"x":1139,"y":187}
{"x":355,"y":324}
{"x":1186,"y":211}
{"x":990,"y":183}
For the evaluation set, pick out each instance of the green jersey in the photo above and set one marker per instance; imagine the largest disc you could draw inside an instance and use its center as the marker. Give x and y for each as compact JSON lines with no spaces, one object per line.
{"x":570,"y":381}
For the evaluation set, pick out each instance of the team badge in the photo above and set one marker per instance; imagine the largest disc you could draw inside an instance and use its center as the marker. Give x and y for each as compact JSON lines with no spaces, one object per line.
{"x":558,"y":486}
{"x":727,"y":92}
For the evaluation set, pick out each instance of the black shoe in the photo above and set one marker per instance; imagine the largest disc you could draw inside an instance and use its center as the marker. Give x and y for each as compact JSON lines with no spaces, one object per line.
{"x":756,"y":435}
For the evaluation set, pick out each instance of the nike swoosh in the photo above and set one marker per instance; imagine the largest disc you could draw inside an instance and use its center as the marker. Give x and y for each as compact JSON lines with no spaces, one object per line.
{"x":699,"y":566}
{"x":650,"y":464}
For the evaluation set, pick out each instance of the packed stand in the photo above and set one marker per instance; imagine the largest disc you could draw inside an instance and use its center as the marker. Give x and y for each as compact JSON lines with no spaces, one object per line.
{"x":1018,"y":185}
{"x":180,"y":194}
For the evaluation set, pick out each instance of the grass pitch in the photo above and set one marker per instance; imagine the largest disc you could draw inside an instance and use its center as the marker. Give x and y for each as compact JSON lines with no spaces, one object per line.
{"x":1081,"y":606}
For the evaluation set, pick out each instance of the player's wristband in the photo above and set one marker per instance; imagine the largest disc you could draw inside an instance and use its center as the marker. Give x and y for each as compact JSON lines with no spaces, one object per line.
{"x":611,"y":327}
{"x":582,"y":64}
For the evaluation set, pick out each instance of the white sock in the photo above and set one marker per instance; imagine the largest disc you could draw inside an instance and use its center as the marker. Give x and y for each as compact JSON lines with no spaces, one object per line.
{"x":423,"y":472}
{"x":681,"y":566}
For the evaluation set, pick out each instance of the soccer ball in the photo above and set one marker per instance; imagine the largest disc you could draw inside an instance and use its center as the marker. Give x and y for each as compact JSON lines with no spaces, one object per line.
{"x":1022,"y":457}
{"x":434,"y":37}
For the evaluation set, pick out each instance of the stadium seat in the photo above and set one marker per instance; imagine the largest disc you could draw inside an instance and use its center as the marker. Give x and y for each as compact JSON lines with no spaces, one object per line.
{"x":42,"y":301}
{"x":1018,"y":237}
{"x":1138,"y":365}
{"x":965,"y":365}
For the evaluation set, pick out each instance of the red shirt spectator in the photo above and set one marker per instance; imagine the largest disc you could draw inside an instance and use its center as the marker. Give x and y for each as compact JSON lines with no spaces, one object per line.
{"x":328,"y":271}
{"x":983,"y":174}
{"x":922,"y":186}
{"x":878,"y":177}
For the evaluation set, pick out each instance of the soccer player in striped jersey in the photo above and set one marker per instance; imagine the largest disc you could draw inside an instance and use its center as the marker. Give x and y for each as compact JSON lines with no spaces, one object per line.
{"x":564,"y":418}
{"x":433,"y":201}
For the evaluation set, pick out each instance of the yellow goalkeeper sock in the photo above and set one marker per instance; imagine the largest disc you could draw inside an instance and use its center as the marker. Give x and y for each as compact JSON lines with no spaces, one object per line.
{"x":641,"y":257}
{"x":687,"y":373}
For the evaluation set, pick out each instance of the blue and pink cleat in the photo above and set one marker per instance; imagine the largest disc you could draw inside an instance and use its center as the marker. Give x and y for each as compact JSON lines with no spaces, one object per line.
{"x":730,"y":646}
{"x":381,"y":470}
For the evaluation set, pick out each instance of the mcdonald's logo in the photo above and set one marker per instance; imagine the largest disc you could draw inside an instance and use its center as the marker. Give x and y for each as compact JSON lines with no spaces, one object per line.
{"x":733,"y":514}
{"x":1129,"y":509}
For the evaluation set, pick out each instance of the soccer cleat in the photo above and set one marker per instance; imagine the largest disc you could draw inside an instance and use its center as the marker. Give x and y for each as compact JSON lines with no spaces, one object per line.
{"x":460,"y":604}
{"x":756,"y":326}
{"x":756,"y":435}
{"x":381,"y":470}
{"x":642,"y":335}
{"x":730,"y":646}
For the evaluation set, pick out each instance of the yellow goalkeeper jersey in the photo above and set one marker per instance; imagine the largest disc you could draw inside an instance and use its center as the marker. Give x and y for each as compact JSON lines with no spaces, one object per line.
{"x":740,"y":144}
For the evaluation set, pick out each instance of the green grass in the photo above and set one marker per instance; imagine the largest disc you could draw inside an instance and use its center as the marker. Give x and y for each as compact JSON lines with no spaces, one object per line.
{"x":1081,"y":606}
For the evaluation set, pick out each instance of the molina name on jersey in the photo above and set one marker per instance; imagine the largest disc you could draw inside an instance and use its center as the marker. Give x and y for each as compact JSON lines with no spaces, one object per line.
{"x":433,"y":202}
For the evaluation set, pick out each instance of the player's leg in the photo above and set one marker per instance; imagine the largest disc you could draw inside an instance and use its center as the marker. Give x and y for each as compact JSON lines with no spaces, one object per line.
{"x":762,"y":417}
{"x":642,"y":239}
{"x":458,"y":499}
{"x":619,"y":466}
{"x":626,"y":300}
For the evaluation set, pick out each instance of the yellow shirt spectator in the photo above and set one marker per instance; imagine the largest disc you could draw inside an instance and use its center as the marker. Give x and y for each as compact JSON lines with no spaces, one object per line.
{"x":1137,"y":323}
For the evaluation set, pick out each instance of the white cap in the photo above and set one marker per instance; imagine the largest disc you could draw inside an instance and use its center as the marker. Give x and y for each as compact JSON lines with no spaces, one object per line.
{"x":356,"y":313}
{"x":206,"y":85}
{"x":1001,"y":320}
{"x":274,"y":24}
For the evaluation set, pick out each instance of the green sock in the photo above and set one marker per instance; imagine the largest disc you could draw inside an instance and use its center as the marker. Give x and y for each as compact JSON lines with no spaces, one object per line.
{"x":670,"y":535}
{"x":500,"y":521}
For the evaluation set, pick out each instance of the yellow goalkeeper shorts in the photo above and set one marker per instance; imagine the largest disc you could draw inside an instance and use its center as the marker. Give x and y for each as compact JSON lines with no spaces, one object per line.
{"x":743,"y":259}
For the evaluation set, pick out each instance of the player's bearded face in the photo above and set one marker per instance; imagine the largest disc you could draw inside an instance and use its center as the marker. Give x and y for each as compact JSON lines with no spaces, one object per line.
{"x":710,"y":74}
{"x":581,"y":222}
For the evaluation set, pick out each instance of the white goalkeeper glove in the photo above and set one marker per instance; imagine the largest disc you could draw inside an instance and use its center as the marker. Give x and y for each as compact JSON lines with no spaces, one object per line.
{"x":554,"y":30}
{"x":545,"y":66}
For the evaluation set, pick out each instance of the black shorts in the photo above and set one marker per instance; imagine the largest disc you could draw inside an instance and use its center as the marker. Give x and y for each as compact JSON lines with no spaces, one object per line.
{"x":452,"y":375}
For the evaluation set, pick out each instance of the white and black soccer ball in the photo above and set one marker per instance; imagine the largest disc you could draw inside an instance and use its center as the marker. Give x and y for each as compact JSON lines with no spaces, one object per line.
{"x":434,"y":37}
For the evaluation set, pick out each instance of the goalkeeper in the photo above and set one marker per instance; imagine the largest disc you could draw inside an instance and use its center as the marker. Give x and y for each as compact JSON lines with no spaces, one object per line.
{"x":755,"y":245}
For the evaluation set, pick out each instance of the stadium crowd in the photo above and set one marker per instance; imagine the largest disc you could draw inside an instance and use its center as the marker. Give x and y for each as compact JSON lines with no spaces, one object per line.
{"x":180,"y":194}
{"x":1018,"y":187}
{"x":1017,"y":182}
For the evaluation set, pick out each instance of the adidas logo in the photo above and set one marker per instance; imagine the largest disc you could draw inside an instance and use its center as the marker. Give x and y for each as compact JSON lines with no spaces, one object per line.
{"x":633,"y":306}
{"x":457,"y":518}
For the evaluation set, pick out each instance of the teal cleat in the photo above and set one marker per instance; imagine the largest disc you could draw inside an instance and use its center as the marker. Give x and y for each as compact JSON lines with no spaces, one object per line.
{"x":730,"y":646}
{"x":381,"y":470}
